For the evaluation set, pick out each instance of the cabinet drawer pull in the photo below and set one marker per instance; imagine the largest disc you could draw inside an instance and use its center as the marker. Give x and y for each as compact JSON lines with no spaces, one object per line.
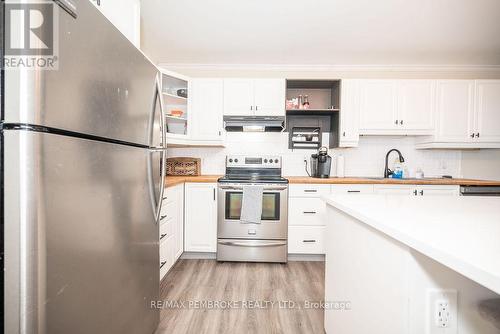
{"x":310,"y":191}
{"x":472,"y":135}
{"x":163,"y":217}
{"x":396,"y":122}
{"x":353,"y":191}
{"x":310,"y":212}
{"x":415,"y":192}
{"x":309,"y":241}
{"x":401,"y":122}
{"x":163,"y":236}
{"x":421,"y":193}
{"x":162,"y":264}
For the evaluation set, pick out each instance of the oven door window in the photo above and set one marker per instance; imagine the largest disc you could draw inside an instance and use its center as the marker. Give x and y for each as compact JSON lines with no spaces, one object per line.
{"x":270,"y":206}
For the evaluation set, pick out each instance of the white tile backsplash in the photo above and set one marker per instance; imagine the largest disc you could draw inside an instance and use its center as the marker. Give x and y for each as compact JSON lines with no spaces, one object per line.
{"x":365,"y":160}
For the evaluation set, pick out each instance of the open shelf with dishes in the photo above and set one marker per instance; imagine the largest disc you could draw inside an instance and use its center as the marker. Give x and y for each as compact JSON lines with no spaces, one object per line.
{"x":175,"y":103}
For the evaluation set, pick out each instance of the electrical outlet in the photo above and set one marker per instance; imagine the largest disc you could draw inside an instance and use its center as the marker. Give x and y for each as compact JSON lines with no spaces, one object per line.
{"x":442,"y":311}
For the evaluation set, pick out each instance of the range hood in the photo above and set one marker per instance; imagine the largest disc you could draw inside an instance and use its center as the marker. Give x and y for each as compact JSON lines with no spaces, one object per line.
{"x":254,"y":123}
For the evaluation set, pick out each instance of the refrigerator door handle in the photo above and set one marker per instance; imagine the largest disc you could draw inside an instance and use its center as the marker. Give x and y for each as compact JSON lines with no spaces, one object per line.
{"x":156,"y":204}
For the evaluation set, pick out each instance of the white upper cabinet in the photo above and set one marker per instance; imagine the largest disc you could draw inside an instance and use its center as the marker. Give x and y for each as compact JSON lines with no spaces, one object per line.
{"x":349,"y":114}
{"x":454,"y":110}
{"x":270,"y":96}
{"x":254,"y":97}
{"x":467,"y":115}
{"x":377,"y":110}
{"x":207,"y":103}
{"x":124,"y":15}
{"x":396,"y":107}
{"x":416,"y":104}
{"x":487,"y":121}
{"x":238,"y":97}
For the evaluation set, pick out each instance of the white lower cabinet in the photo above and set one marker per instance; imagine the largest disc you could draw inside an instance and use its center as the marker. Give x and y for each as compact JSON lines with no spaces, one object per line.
{"x":200,"y":217}
{"x":166,"y":256}
{"x":415,"y":190}
{"x":306,"y":239}
{"x":171,"y":229}
{"x":306,"y":218}
{"x":306,"y":211}
{"x":352,"y":189}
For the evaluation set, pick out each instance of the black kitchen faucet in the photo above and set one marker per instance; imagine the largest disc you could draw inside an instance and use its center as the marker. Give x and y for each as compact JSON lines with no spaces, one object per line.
{"x":387,"y":171}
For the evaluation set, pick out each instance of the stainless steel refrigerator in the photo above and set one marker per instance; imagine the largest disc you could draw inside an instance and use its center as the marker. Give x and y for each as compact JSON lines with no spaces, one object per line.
{"x":81,"y":149}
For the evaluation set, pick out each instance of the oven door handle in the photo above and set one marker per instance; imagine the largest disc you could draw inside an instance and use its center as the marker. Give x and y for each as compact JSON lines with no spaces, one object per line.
{"x":251,"y":243}
{"x":265,"y":188}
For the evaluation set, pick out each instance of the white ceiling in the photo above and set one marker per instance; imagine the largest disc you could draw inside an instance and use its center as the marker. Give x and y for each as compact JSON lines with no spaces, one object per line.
{"x":322,"y":32}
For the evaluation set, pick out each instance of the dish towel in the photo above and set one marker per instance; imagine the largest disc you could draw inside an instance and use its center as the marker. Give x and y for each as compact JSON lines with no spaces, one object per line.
{"x":251,"y":206}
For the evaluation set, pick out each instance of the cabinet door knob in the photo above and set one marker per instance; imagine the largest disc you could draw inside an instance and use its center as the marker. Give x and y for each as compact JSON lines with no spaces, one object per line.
{"x":163,"y":236}
{"x":401,"y":122}
{"x":343,"y":134}
{"x":421,"y":193}
{"x":472,"y":135}
{"x":415,"y":192}
{"x":162,"y":264}
{"x":251,"y":107}
{"x":256,"y":107}
{"x":396,"y":122}
{"x":477,"y":135}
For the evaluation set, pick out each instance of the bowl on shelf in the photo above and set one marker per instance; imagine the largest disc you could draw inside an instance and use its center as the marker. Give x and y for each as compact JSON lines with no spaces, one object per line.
{"x":176,"y":113}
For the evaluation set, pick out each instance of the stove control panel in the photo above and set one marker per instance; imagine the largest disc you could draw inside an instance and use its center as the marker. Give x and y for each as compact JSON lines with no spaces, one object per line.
{"x":247,"y":161}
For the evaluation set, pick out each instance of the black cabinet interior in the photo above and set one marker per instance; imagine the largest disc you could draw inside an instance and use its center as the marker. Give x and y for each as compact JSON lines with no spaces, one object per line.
{"x":323,"y":113}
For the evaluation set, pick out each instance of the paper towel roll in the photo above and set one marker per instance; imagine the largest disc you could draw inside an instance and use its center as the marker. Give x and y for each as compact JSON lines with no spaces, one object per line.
{"x":340,"y":166}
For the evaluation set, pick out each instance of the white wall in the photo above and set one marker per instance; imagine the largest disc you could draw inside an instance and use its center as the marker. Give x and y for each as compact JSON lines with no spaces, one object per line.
{"x":366,"y":160}
{"x":481,"y":164}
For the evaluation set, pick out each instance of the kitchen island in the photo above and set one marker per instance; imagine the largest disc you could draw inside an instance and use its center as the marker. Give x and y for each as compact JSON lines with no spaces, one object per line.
{"x":386,"y":256}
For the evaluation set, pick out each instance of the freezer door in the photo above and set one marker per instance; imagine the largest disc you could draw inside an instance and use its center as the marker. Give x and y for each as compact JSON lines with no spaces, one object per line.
{"x":104,"y":85}
{"x":81,"y":252}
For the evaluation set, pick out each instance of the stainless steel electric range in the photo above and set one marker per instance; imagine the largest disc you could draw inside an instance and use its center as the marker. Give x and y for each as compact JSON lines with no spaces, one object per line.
{"x":253,"y":242}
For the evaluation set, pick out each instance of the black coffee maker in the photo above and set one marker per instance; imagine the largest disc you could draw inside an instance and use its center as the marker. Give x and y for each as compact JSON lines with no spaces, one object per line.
{"x":321,"y":163}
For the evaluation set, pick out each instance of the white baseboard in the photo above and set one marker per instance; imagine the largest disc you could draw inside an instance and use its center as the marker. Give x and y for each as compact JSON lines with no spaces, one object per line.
{"x":306,"y":257}
{"x":213,"y":256}
{"x":198,"y":256}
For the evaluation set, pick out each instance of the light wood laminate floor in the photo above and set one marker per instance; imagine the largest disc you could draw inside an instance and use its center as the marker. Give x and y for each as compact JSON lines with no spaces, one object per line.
{"x":203,"y":281}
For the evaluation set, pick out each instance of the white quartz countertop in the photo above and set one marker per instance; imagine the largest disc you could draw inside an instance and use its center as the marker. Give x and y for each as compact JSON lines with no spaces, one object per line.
{"x":462,"y":233}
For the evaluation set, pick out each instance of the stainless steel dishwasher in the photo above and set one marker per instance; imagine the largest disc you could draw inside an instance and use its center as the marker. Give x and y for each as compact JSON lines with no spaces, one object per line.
{"x":479,"y":190}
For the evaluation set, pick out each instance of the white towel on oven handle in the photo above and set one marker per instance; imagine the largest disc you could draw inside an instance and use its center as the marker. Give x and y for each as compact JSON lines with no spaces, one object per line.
{"x":251,"y":204}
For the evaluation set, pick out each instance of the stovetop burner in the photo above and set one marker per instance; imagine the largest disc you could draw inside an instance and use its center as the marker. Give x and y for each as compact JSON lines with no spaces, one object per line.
{"x":253,"y":169}
{"x":250,"y":179}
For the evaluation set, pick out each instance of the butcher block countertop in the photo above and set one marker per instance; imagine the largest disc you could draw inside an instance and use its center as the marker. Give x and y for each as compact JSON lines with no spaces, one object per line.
{"x":376,"y":180}
{"x":171,"y":181}
{"x":175,"y":180}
